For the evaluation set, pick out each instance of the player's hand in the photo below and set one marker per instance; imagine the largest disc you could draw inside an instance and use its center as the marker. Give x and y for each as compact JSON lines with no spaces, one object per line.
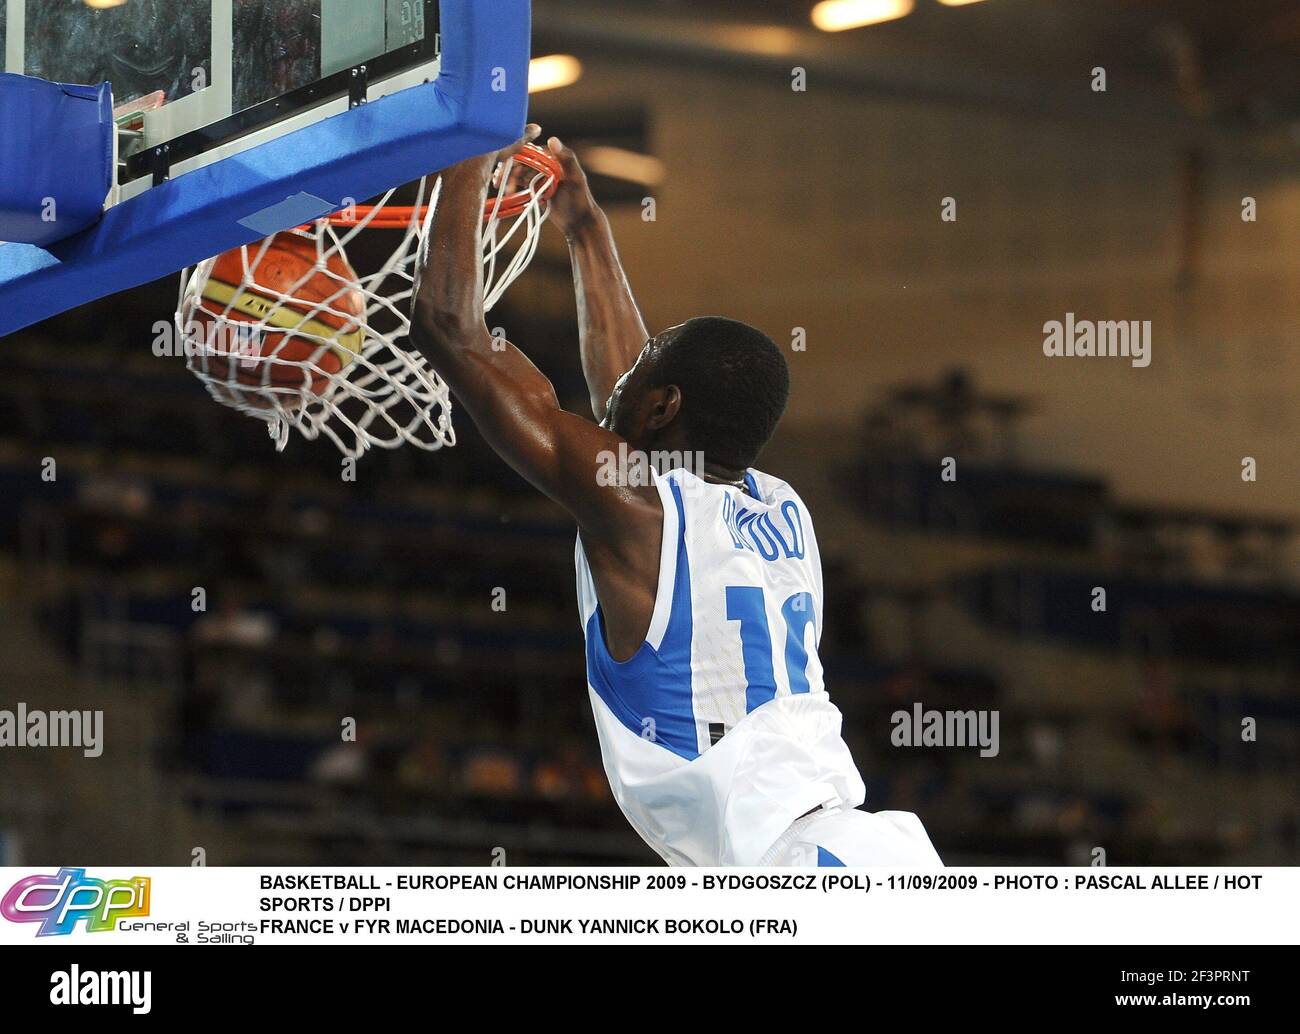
{"x":498,"y":161}
{"x":572,"y":208}
{"x":490,"y":165}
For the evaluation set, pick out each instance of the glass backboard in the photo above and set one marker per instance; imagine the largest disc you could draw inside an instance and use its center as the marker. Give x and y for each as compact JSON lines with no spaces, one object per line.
{"x":211,"y":70}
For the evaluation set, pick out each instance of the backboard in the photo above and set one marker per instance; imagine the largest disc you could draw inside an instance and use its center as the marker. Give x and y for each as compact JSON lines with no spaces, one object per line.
{"x":239,"y":118}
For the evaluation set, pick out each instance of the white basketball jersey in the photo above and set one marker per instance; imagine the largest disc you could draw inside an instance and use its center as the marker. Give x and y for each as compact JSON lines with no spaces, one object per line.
{"x":718,"y":734}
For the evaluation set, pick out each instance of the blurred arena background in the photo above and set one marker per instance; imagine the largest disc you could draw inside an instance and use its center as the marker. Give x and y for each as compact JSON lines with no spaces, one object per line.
{"x":815,"y":214}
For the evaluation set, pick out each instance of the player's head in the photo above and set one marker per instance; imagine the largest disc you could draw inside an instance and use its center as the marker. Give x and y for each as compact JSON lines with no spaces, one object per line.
{"x":711,"y":385}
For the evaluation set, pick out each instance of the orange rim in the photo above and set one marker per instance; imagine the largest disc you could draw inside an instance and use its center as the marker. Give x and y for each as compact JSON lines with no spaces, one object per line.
{"x":398,"y":217}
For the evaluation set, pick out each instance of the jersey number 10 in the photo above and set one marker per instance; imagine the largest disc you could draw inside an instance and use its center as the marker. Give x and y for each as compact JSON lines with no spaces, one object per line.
{"x":747,"y":604}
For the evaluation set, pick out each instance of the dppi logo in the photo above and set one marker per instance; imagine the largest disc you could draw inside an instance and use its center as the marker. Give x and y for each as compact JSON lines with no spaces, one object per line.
{"x":59,"y":902}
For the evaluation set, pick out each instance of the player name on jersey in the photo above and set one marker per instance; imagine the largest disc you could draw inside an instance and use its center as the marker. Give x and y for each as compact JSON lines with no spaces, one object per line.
{"x":759,"y":532}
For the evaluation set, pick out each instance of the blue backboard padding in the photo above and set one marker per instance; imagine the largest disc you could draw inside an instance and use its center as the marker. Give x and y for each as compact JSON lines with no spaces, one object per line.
{"x":56,"y":162}
{"x":478,"y":103}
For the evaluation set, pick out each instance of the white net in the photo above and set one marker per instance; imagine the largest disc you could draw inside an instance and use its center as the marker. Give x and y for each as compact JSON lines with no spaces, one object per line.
{"x":286,"y":331}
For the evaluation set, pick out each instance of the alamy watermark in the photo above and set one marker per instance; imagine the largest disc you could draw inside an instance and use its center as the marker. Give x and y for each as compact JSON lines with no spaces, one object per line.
{"x":626,"y":467}
{"x":1073,"y":337}
{"x":199,"y":339}
{"x":921,"y":728}
{"x":24,"y":727}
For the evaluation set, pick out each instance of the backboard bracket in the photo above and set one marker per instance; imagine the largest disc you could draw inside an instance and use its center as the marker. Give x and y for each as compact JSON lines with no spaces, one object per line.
{"x":358,"y":85}
{"x":161,"y":165}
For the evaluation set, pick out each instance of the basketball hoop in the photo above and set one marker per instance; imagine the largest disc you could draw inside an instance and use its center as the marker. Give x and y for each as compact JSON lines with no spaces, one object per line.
{"x":509,"y":206}
{"x":326,"y":351}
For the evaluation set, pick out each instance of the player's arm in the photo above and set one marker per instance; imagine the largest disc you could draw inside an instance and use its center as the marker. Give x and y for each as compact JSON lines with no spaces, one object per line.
{"x":513,"y":405}
{"x":611,"y":333}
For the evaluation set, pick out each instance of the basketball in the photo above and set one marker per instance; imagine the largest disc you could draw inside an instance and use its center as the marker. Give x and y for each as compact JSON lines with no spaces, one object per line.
{"x":315,"y":302}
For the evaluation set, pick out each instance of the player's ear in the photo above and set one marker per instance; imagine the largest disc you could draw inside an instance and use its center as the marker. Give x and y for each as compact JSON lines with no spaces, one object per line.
{"x":666,"y":403}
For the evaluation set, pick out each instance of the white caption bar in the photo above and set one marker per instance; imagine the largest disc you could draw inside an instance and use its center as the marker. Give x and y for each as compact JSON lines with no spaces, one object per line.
{"x":62,"y":905}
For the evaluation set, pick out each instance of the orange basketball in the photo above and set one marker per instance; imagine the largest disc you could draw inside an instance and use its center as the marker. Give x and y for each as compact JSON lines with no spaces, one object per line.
{"x":316,"y":303}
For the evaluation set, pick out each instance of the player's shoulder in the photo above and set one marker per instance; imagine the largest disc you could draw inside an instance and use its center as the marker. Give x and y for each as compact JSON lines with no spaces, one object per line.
{"x":771,"y":489}
{"x":780,"y":498}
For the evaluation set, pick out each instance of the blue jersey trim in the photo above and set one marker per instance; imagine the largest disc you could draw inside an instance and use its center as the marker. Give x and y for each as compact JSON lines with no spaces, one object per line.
{"x":826,"y":860}
{"x":653,"y":685}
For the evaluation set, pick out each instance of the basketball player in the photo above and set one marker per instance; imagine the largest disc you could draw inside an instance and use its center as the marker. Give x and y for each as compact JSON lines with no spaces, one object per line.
{"x":700,"y":584}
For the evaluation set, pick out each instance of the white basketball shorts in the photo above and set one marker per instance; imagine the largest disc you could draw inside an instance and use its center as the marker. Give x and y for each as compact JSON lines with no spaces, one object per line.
{"x":853,"y":837}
